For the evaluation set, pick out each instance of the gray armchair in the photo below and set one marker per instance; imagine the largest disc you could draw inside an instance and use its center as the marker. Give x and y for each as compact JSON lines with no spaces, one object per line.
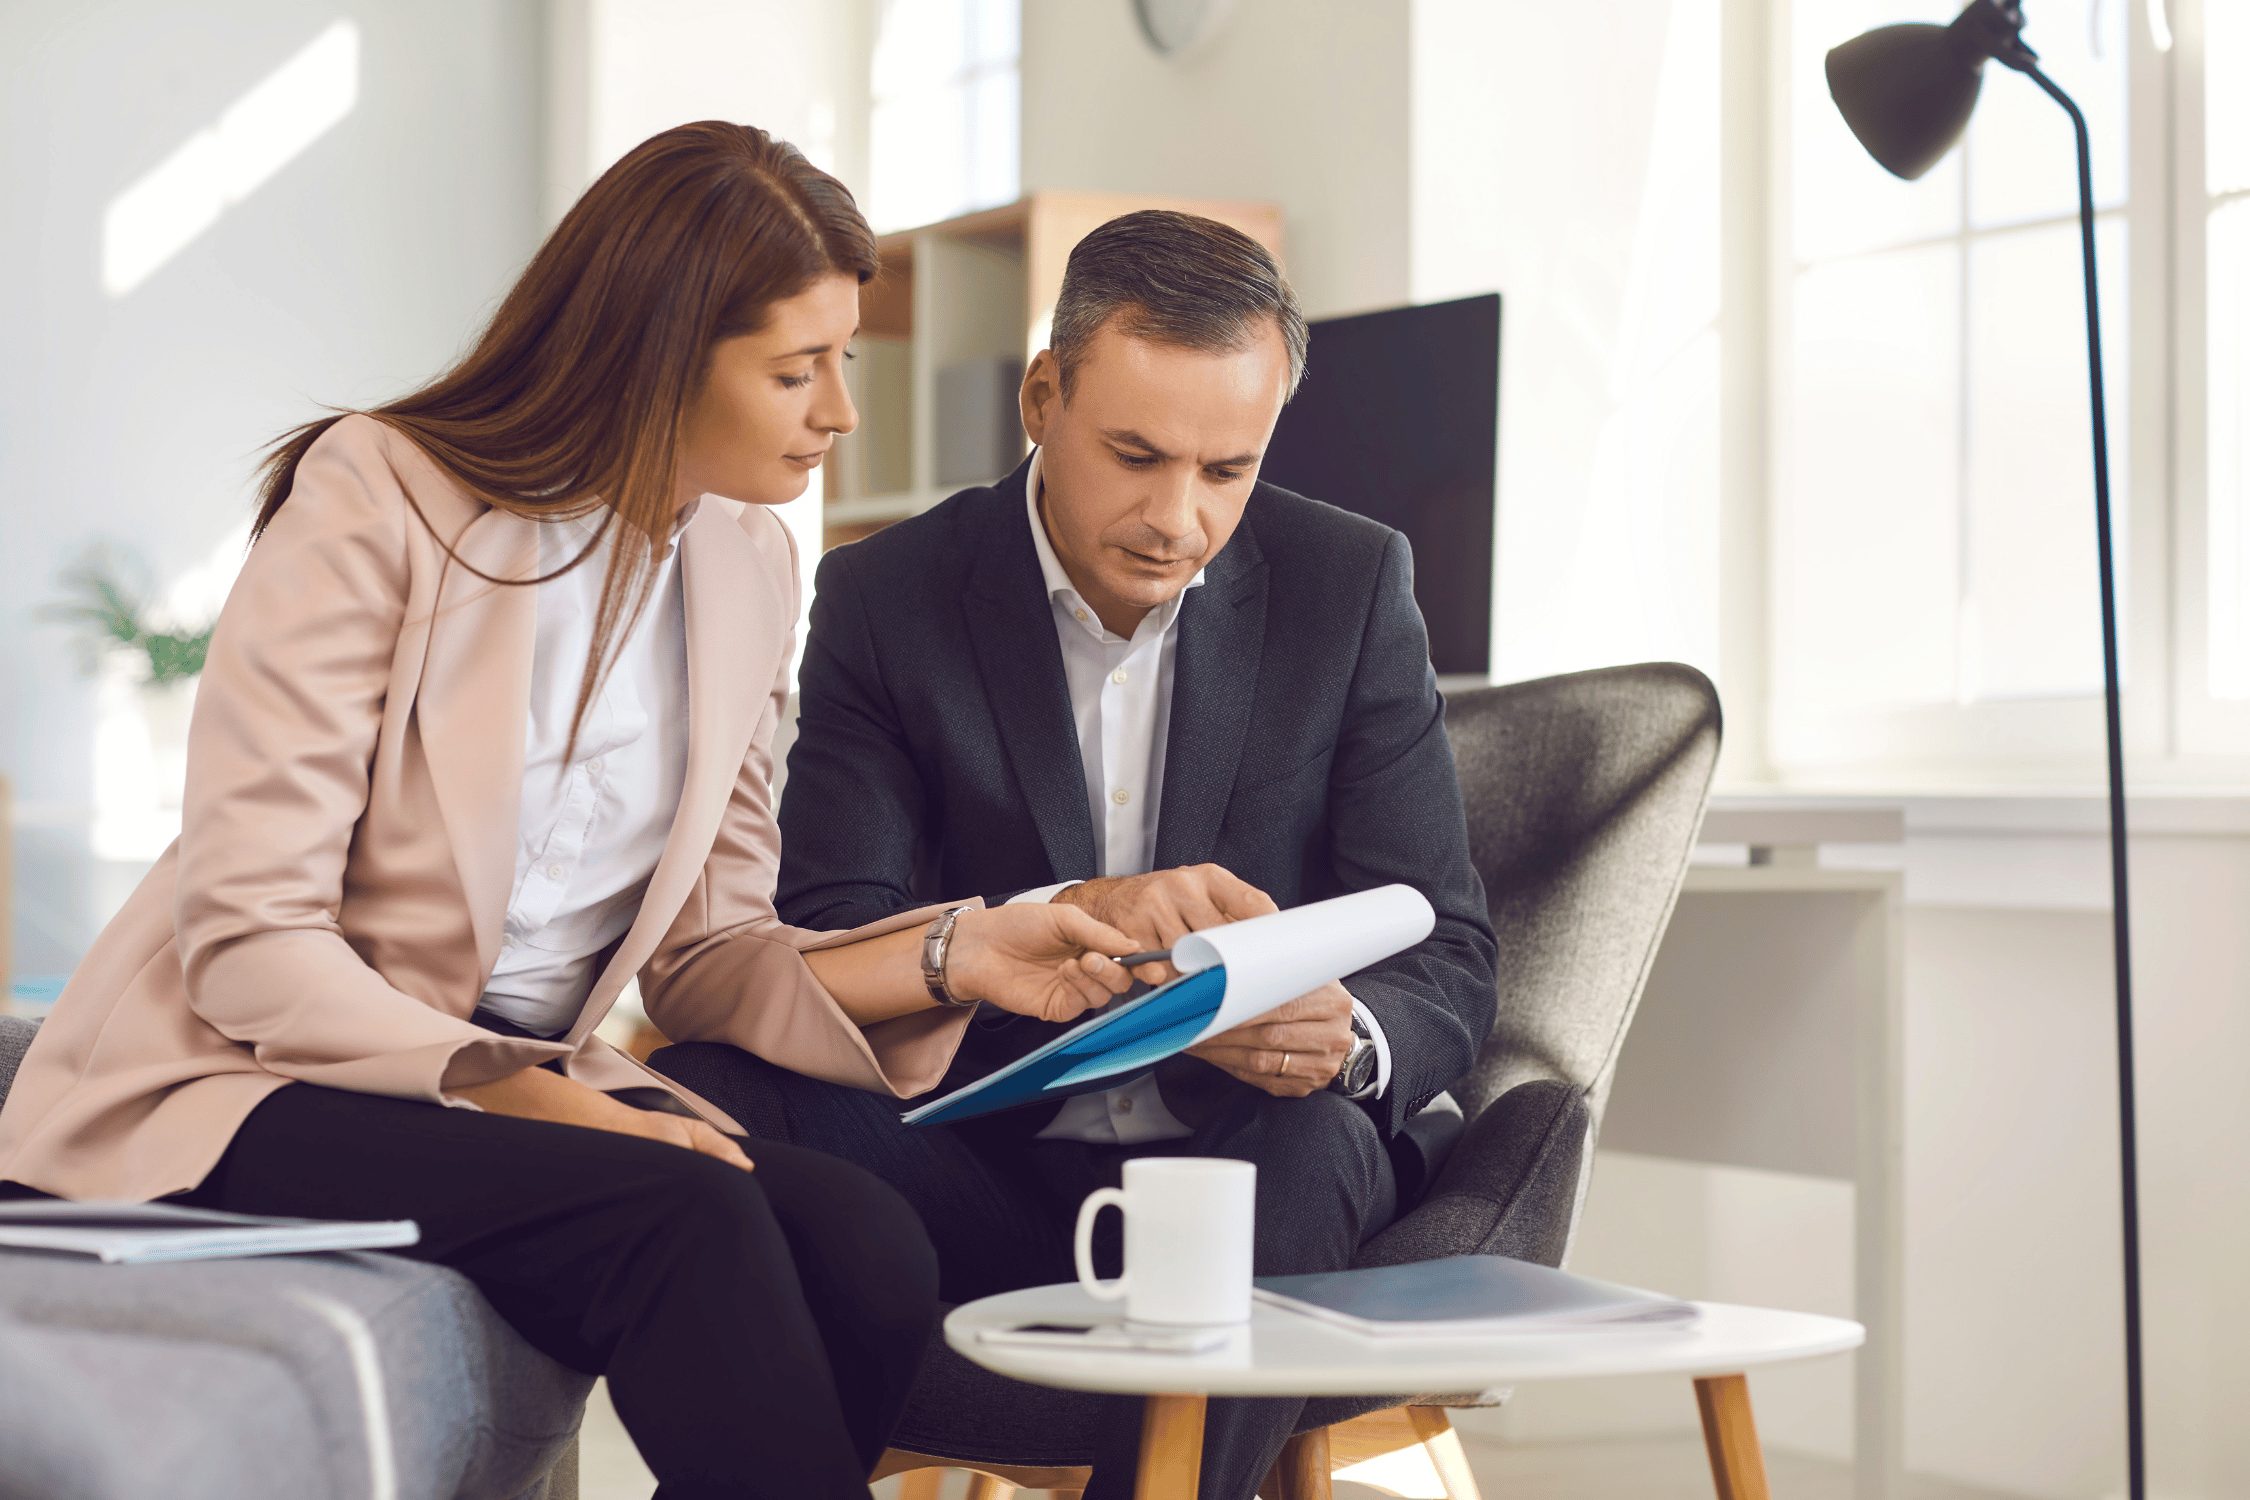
{"x":1584,"y":794}
{"x":308,"y":1377}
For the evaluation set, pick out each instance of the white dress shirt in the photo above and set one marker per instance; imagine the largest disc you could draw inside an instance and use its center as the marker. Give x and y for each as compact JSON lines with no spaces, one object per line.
{"x":591,"y":825}
{"x":1121,"y":699}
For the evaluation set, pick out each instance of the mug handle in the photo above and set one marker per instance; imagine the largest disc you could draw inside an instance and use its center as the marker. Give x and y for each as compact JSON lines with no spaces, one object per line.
{"x":1082,"y":1245}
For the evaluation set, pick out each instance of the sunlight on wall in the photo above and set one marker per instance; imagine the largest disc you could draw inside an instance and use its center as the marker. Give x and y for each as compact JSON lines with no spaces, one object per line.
{"x":167,"y":210}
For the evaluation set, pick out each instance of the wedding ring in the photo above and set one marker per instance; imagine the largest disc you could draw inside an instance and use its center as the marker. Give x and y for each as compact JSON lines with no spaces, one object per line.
{"x":1283,"y":1070}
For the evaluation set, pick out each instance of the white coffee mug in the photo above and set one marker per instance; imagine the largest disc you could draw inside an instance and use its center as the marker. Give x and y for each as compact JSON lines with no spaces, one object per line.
{"x":1189,"y":1222}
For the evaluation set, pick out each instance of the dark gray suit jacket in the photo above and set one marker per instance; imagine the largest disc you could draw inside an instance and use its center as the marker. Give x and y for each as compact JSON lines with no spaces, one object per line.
{"x":937,"y":757}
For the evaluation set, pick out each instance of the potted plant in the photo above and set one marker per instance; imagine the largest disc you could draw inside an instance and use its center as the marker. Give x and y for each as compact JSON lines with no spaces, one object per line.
{"x":148,"y":674}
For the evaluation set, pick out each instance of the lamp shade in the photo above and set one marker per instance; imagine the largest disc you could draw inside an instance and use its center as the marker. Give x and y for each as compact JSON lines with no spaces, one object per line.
{"x":1907,"y":91}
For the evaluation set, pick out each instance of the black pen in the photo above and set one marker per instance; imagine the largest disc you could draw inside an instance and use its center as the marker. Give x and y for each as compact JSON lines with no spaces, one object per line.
{"x":1135,"y":960}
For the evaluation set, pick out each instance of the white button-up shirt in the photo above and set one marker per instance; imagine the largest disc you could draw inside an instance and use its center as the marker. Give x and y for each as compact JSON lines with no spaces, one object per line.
{"x":591,"y":825}
{"x":1121,"y":700}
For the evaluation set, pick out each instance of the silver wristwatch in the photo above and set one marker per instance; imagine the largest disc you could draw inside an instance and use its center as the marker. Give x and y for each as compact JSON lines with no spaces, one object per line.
{"x":1358,"y":1070}
{"x":935,"y":942}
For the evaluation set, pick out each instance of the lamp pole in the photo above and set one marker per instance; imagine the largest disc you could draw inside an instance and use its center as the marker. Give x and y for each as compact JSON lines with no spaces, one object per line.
{"x":2121,"y":925}
{"x":1907,"y":92}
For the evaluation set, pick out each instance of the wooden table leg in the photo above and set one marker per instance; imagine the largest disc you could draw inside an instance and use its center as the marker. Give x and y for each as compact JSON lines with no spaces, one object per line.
{"x":921,"y":1484}
{"x":1730,"y":1433}
{"x":1171,"y":1448}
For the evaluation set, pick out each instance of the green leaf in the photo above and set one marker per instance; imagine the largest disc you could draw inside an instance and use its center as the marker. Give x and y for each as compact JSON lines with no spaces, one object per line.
{"x":175,"y":658}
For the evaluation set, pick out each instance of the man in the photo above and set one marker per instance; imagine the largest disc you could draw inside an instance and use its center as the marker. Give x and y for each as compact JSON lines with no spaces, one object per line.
{"x":1131,"y":677}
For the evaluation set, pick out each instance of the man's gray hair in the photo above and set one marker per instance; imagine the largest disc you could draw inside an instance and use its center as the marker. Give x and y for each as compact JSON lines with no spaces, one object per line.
{"x":1173,"y":278}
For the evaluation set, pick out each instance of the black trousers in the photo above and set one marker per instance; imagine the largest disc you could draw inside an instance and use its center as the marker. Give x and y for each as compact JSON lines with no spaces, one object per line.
{"x":759,"y":1330}
{"x":1000,"y":1204}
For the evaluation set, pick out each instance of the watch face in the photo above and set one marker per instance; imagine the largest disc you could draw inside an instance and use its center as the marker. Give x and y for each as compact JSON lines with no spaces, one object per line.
{"x":1358,"y":1068}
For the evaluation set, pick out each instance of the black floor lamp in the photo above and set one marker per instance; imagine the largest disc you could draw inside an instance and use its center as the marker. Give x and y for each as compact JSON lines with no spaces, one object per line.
{"x":1906,"y":92}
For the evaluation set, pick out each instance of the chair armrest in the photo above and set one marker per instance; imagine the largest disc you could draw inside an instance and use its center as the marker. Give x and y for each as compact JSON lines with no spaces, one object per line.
{"x":1421,"y":1148}
{"x":1509,"y":1187}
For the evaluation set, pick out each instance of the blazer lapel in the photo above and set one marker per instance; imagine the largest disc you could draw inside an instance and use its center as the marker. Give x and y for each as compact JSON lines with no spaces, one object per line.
{"x":736,"y":630}
{"x":1012,"y":630}
{"x":1222,"y":628}
{"x":472,"y":705}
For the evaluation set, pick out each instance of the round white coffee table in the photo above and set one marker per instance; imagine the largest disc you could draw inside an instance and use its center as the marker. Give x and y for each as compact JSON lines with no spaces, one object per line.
{"x":1283,"y":1354}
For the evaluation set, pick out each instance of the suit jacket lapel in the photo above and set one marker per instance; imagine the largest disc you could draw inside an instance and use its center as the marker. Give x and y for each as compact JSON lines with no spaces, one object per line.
{"x":1012,"y":631}
{"x":472,"y":706}
{"x":736,"y":630}
{"x":1222,"y":628}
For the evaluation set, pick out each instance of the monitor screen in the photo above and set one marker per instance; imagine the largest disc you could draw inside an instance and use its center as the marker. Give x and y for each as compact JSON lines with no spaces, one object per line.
{"x":1398,"y":421}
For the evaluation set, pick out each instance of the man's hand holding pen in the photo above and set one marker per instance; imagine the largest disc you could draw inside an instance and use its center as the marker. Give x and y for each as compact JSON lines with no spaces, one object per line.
{"x":1288,"y":1052}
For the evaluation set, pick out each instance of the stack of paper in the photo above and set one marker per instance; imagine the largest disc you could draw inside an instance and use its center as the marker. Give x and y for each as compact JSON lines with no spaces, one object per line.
{"x":126,"y":1233}
{"x":1469,"y":1296}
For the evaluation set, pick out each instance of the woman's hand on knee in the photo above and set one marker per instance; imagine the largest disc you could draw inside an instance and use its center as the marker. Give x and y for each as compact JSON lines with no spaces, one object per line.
{"x":538,"y":1094}
{"x":693,"y":1135}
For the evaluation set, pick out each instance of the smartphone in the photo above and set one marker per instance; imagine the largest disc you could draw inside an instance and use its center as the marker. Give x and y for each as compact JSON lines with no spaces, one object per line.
{"x":1107,"y":1336}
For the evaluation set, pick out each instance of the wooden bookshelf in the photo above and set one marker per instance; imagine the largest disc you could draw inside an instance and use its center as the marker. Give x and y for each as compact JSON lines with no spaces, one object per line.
{"x":979,"y":287}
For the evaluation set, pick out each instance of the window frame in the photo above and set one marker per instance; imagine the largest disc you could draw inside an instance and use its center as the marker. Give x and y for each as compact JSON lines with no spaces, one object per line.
{"x":2208,"y":731}
{"x":960,"y":87}
{"x":2176,"y":732}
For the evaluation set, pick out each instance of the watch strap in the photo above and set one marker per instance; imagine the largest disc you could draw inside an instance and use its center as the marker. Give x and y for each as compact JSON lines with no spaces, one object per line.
{"x":937,"y":942}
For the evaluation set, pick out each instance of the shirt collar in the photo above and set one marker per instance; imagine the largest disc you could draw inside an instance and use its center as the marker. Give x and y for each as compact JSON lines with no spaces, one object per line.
{"x":1059,"y":587}
{"x":582,"y":528}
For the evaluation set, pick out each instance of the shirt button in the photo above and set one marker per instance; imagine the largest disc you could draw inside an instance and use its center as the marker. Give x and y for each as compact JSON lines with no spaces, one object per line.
{"x":1121,"y":796}
{"x":1078,"y":614}
{"x":595,"y":765}
{"x":554,"y":872}
{"x":1118,"y":676}
{"x":1125,"y":1105}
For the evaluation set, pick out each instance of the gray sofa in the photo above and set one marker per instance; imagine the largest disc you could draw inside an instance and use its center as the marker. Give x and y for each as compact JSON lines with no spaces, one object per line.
{"x":352,"y":1376}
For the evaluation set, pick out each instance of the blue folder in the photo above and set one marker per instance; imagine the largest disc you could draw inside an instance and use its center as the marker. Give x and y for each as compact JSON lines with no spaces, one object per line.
{"x":1124,"y":1041}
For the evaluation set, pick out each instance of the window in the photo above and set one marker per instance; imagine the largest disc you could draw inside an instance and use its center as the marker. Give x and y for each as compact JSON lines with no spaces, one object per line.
{"x":1933,"y":543}
{"x":2225,"y":211}
{"x":944,"y":137}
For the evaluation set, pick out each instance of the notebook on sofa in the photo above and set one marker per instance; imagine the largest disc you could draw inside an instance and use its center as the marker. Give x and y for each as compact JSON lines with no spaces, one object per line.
{"x":1229,"y":974}
{"x":134,"y":1233}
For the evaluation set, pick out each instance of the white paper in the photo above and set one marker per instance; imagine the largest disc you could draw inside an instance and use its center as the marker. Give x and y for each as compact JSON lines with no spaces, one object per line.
{"x":1272,"y":960}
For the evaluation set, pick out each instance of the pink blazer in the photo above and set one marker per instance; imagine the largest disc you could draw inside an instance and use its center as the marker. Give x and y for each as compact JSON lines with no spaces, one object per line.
{"x":334,"y":903}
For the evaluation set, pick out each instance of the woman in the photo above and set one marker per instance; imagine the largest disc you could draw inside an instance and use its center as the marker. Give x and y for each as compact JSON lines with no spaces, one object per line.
{"x":484,"y":732}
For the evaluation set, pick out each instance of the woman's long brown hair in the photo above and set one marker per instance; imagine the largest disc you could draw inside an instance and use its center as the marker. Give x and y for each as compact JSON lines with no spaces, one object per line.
{"x":571,"y":398}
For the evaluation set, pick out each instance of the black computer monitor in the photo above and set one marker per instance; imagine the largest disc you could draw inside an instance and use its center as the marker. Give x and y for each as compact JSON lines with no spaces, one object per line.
{"x":1398,"y":420}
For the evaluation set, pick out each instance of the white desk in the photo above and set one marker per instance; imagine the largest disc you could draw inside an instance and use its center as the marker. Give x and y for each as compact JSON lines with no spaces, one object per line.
{"x":1770,"y":1036}
{"x":1283,"y":1354}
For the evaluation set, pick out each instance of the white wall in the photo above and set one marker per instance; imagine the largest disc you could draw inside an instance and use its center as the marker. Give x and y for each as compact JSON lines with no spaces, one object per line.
{"x":2013,"y":1357}
{"x":1303,"y":102}
{"x":353,"y":272}
{"x":2192,"y":967}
